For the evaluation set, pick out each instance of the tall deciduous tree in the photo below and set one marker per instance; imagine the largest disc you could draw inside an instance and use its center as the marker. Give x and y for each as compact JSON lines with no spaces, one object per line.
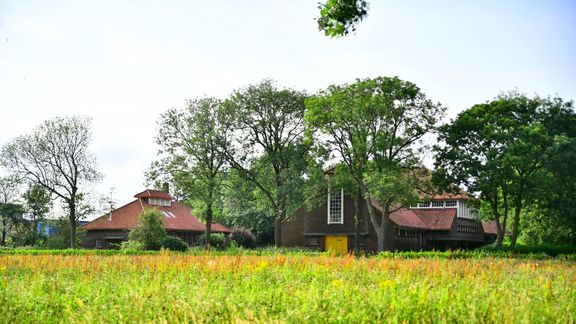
{"x":56,"y":156}
{"x":267,"y":124}
{"x":500,"y":149}
{"x":373,"y":126}
{"x":191,"y":141}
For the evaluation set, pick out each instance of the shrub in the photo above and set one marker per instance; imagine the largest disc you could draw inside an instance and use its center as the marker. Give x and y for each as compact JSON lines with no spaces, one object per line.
{"x":217,"y":240}
{"x":131,"y":246}
{"x":174,"y":243}
{"x":150,"y":231}
{"x":243,"y":237}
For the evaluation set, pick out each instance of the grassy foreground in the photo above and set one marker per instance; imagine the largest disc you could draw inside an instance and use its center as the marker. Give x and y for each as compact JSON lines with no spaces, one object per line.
{"x":293,"y":288}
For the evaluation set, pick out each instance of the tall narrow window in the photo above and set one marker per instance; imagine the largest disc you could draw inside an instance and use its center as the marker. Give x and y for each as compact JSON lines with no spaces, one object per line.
{"x":335,"y":206}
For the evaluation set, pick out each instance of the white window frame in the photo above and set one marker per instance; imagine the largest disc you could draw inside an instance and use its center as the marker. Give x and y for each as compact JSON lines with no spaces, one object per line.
{"x":159,"y":202}
{"x":341,"y":207}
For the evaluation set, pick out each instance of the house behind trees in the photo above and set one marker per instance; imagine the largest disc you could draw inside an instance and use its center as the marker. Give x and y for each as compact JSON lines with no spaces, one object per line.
{"x":115,"y":226}
{"x":448,"y":221}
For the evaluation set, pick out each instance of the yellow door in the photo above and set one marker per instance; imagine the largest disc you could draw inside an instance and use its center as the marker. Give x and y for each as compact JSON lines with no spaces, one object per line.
{"x":337,"y":243}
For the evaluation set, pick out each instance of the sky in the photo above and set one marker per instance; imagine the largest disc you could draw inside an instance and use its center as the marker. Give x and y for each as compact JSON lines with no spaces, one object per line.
{"x":124,"y":63}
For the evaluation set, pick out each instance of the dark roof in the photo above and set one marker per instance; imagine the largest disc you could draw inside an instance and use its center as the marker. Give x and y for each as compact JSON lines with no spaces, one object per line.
{"x":149,"y":193}
{"x":436,"y":219}
{"x":490,"y":228}
{"x":176,"y":217}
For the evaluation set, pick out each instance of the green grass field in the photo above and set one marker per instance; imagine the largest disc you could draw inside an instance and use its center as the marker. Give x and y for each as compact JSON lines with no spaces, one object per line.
{"x":172,"y":287}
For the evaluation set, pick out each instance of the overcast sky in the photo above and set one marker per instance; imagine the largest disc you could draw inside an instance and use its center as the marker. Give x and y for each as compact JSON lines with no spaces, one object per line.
{"x":125,"y":62}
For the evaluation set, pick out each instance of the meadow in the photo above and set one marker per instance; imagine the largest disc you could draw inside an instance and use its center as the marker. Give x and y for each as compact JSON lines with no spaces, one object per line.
{"x":278,"y":287}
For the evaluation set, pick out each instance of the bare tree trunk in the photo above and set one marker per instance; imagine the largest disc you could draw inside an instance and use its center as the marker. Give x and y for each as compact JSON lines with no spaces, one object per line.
{"x":384,"y":228}
{"x":377,"y":227}
{"x":277,"y":232}
{"x":499,"y":233}
{"x":516,"y":224}
{"x":4,"y":233}
{"x":208,"y":225}
{"x":506,"y":209}
{"x":357,"y":221}
{"x":72,"y":220}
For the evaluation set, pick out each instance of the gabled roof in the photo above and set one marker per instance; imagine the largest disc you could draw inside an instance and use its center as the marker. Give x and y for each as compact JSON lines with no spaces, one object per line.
{"x":176,"y":217}
{"x":149,"y":193}
{"x":436,"y":219}
{"x":440,"y":219}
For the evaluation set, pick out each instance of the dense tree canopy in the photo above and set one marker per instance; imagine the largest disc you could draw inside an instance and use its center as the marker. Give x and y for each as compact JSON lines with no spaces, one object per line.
{"x":192,"y":140}
{"x":501,"y":150}
{"x":268,"y":149}
{"x":373,"y":127}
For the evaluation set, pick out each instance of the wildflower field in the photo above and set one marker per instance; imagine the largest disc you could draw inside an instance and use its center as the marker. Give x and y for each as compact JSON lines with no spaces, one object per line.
{"x":173,"y":287}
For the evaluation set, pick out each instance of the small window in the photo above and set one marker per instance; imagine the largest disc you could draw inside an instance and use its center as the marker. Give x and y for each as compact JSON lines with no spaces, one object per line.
{"x":451,"y":203}
{"x":313,"y":240}
{"x":438,"y":204}
{"x":335,"y":206}
{"x":99,"y":244}
{"x":424,"y":204}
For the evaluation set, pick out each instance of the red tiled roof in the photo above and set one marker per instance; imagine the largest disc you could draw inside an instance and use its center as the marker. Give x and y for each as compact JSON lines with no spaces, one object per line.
{"x":126,"y":217}
{"x":490,"y":228}
{"x":149,"y":193}
{"x":436,"y":219}
{"x":439,"y":219}
{"x":407,"y":218}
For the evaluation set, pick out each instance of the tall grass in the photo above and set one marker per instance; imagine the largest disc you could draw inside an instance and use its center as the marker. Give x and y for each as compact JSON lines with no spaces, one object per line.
{"x":177,"y":287}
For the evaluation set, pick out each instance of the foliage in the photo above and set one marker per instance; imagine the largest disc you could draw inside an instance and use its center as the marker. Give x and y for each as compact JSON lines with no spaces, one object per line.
{"x":131,"y":246}
{"x":243,"y":237}
{"x":297,"y":288}
{"x":150,"y":230}
{"x":501,"y":149}
{"x":191,"y":141}
{"x":553,"y":250}
{"x":37,"y":202}
{"x":245,"y":206}
{"x":340,"y":17}
{"x":217,"y":240}
{"x":174,"y":243}
{"x":10,"y":210}
{"x":268,"y":150}
{"x":373,"y":126}
{"x":60,"y":239}
{"x":55,"y":156}
{"x":10,"y":216}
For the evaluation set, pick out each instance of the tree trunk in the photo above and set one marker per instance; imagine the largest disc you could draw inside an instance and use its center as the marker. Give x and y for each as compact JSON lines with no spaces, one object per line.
{"x":34,"y":230}
{"x":506,"y":209}
{"x":379,"y":229}
{"x":357,"y":221}
{"x":72,"y":220}
{"x":277,"y":235}
{"x":3,"y":241}
{"x":384,"y":228}
{"x":208,"y":226}
{"x":516,"y":224}
{"x":499,"y":233}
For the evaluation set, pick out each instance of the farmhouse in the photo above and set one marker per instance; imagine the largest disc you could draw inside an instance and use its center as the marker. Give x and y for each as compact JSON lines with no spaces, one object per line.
{"x":447,"y":221}
{"x":115,"y":226}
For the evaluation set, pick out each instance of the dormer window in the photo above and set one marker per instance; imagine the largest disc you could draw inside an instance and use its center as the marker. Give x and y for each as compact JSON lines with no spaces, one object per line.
{"x":159,"y":202}
{"x":336,"y":206}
